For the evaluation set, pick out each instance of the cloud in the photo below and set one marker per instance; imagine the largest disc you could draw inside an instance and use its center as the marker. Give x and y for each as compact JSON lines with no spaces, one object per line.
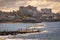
{"x":8,"y":5}
{"x":7,"y":2}
{"x":54,"y":0}
{"x":12,"y":3}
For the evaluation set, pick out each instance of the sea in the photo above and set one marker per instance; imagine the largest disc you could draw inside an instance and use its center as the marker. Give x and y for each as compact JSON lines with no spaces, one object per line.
{"x":51,"y":31}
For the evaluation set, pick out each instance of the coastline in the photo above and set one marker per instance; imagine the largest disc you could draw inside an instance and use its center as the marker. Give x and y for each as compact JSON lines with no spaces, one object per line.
{"x":29,"y":22}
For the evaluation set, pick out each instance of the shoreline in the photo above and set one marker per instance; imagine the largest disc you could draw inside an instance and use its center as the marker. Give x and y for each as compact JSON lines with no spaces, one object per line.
{"x":29,"y":22}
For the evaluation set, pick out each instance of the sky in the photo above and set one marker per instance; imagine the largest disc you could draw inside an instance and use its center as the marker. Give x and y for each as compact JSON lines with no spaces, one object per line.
{"x":10,"y":5}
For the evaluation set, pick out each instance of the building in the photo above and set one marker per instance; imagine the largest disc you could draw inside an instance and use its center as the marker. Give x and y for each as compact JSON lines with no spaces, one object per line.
{"x":48,"y":17}
{"x":46,"y":10}
{"x":28,"y":10}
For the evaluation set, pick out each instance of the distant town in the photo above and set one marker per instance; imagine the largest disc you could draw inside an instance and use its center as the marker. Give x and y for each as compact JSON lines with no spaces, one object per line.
{"x":29,"y":14}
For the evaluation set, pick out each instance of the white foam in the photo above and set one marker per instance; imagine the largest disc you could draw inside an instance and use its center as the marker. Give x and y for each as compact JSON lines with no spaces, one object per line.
{"x":22,"y":39}
{"x":45,"y":31}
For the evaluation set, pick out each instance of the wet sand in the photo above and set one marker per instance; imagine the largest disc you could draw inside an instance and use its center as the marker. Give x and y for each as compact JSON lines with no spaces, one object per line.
{"x":3,"y":37}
